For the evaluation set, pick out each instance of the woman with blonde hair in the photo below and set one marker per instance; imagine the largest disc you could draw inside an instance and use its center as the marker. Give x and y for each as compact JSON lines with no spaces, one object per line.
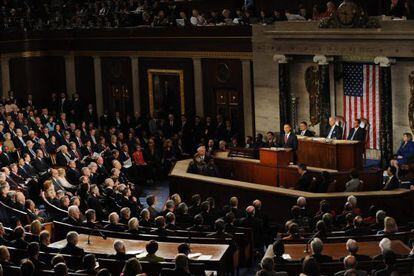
{"x":62,"y":181}
{"x":390,"y":226}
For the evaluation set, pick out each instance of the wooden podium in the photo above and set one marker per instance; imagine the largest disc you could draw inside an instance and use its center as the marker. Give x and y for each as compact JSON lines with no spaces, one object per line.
{"x":338,"y":155}
{"x":276,"y":157}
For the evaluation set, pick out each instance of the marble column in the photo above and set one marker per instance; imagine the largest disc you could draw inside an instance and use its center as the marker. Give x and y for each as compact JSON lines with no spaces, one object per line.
{"x":5,"y":75}
{"x":98,"y":85}
{"x":136,"y":93}
{"x":285,"y":100}
{"x":198,"y":87}
{"x":386,"y":127}
{"x":325,"y":94}
{"x":70,"y":74}
{"x":247,"y":98}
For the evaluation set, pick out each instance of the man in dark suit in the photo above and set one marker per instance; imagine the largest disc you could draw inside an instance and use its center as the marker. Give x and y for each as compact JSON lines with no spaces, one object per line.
{"x":350,"y":263}
{"x":120,"y":250}
{"x":392,"y":182}
{"x":71,"y":248}
{"x":73,"y":217}
{"x":359,"y":228}
{"x":304,"y":131}
{"x":334,"y":131}
{"x":288,"y":139}
{"x":39,"y":163}
{"x":317,"y":248}
{"x":305,"y":179}
{"x":357,"y":133}
{"x":352,"y":248}
{"x":389,"y":259}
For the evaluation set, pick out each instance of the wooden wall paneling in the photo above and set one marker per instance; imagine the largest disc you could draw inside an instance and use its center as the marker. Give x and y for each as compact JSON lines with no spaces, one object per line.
{"x":40,"y":76}
{"x":85,"y":79}
{"x":184,"y":64}
{"x":117,"y":85}
{"x":223,"y":90}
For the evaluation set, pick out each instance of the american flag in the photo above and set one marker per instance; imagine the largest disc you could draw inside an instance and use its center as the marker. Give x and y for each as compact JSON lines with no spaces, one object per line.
{"x":361,"y":99}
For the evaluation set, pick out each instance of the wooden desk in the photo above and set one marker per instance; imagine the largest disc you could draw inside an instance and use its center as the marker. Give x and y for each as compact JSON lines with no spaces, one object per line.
{"x":338,"y":155}
{"x":338,"y":250}
{"x":167,"y":250}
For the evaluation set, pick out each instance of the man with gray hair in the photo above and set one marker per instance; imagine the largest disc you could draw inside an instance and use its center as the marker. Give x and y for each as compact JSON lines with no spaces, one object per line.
{"x":385,"y":245}
{"x":352,"y":247}
{"x":350,"y":263}
{"x":71,"y":248}
{"x":74,"y":216}
{"x":379,"y":220}
{"x":268,"y":265}
{"x":120,"y":251}
{"x":317,"y":248}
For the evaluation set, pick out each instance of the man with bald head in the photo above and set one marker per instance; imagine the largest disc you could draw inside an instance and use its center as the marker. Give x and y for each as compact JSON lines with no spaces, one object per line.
{"x":350,"y":262}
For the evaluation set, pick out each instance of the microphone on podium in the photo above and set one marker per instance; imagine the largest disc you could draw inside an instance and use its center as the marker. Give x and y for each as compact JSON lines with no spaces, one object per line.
{"x":309,"y":241}
{"x":95,"y":230}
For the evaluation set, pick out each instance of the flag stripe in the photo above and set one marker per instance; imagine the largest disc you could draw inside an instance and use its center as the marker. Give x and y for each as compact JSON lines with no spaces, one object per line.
{"x":361,"y":99}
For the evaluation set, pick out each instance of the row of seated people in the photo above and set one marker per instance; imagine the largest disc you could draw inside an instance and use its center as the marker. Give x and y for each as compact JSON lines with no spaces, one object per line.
{"x":321,"y":184}
{"x":386,"y":263}
{"x":37,"y":260}
{"x":352,"y":221}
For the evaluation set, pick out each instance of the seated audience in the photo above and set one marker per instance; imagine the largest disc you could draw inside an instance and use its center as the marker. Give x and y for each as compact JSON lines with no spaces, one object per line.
{"x":132,"y":268}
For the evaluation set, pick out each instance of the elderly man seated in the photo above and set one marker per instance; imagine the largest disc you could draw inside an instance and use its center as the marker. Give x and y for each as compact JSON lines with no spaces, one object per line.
{"x":74,"y":216}
{"x":350,"y":263}
{"x":71,"y":248}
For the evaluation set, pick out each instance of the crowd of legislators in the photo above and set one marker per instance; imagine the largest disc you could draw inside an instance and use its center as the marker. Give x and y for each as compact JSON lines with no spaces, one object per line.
{"x":52,"y":15}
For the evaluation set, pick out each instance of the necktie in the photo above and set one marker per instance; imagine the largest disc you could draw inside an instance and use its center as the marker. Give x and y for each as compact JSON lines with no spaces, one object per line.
{"x":286,"y":138}
{"x":353,"y":134}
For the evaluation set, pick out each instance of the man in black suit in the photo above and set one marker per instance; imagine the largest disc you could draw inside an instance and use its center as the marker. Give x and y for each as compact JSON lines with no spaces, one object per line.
{"x":120,"y":250}
{"x":73,"y":217}
{"x":288,"y":139}
{"x":352,"y":248}
{"x":73,"y":174}
{"x":71,"y":248}
{"x":305,"y":179}
{"x":357,"y":133}
{"x":39,"y":163}
{"x":359,"y":228}
{"x":317,"y":248}
{"x":392,"y":182}
{"x":350,"y":263}
{"x":304,"y":131}
{"x":334,"y":131}
{"x":389,"y":259}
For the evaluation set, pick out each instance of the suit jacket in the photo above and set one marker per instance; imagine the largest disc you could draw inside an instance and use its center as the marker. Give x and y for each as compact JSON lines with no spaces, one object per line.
{"x":359,"y":134}
{"x":307,"y":133}
{"x":152,"y":258}
{"x":392,"y":184}
{"x":292,"y":141}
{"x":304,"y":182}
{"x":320,"y":258}
{"x":71,"y":249}
{"x":406,"y":151}
{"x":20,"y":243}
{"x":359,"y":273}
{"x":336,"y":133}
{"x":40,"y":165}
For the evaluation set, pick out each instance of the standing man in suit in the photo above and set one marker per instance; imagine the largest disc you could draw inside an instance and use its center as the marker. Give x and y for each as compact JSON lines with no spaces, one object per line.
{"x":335,"y":131}
{"x":357,"y":133}
{"x":288,"y":139}
{"x":305,"y":179}
{"x":304,"y":131}
{"x":392,"y":182}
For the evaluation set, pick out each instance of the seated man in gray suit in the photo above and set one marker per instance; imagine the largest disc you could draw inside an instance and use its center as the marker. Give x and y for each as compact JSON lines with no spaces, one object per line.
{"x":350,"y":263}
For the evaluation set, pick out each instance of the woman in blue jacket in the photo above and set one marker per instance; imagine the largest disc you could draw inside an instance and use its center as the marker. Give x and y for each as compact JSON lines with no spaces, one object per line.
{"x":405,"y":153}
